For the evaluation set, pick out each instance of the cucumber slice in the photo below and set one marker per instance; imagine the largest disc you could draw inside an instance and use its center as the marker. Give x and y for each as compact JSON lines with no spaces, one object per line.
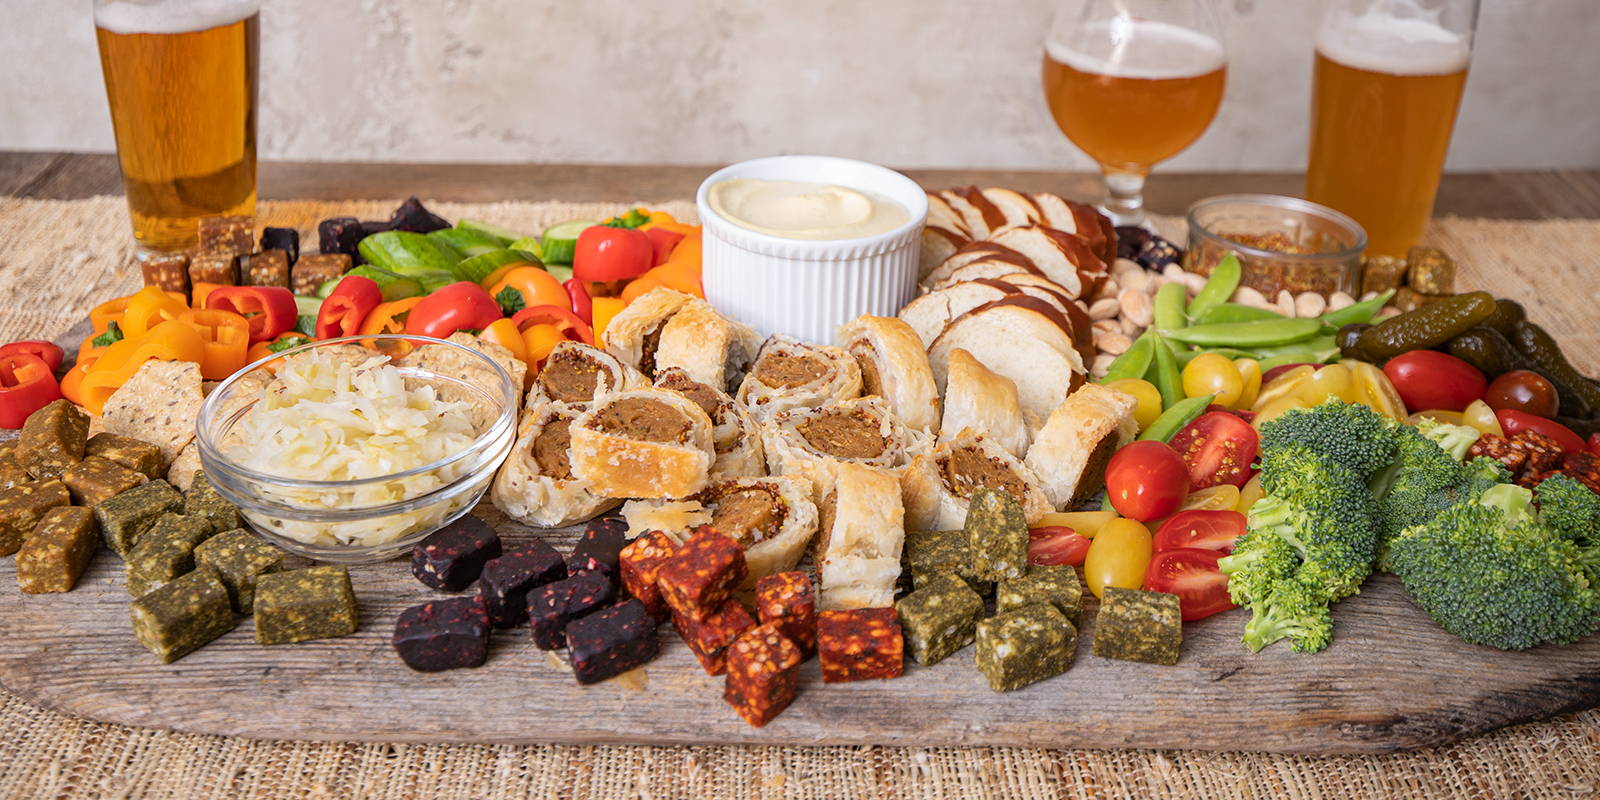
{"x":307,"y":306}
{"x":505,"y":235}
{"x":433,"y":279}
{"x":327,"y":287}
{"x":562,"y":272}
{"x":478,"y":267}
{"x":562,"y":240}
{"x":404,"y":252}
{"x":466,"y":242}
{"x":528,"y":244}
{"x":393,"y":287}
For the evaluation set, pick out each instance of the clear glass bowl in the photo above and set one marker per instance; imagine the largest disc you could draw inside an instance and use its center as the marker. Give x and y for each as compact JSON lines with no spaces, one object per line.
{"x":275,"y":505}
{"x":1335,"y":242}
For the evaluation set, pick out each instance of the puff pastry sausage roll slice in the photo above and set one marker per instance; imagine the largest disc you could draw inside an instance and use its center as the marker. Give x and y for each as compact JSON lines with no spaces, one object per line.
{"x":861,"y":530}
{"x":577,"y":373}
{"x":734,"y":434}
{"x":1070,"y":452}
{"x":789,"y":374}
{"x":894,"y":366}
{"x":536,"y":486}
{"x":649,"y":443}
{"x":772,"y":518}
{"x":938,"y":485}
{"x":666,"y":328}
{"x":863,"y":431}
{"x":976,"y":397}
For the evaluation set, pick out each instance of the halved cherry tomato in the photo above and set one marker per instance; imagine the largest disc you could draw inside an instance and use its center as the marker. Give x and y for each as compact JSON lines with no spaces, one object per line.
{"x":1515,"y":422}
{"x":611,"y":254}
{"x":1248,"y":495}
{"x":1374,"y":390}
{"x":1594,"y":444}
{"x":1192,"y":575}
{"x":1118,"y":556}
{"x":1520,"y":389}
{"x":1330,"y":380}
{"x":1206,"y":530}
{"x":1217,"y":448}
{"x":1479,"y":415}
{"x":1147,"y":395}
{"x":1273,"y":374}
{"x":1055,"y":545}
{"x":1280,"y":384}
{"x":1146,"y":480}
{"x":462,"y":305}
{"x":1223,"y":496}
{"x":662,"y":240}
{"x":1250,"y":373}
{"x":1430,"y":379}
{"x":48,"y":352}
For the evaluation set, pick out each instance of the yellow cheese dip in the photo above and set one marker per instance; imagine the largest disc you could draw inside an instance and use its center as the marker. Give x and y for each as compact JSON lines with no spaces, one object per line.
{"x":797,"y":210}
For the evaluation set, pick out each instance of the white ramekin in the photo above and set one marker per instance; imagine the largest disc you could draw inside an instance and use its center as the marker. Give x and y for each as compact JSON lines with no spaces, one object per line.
{"x":806,"y":288}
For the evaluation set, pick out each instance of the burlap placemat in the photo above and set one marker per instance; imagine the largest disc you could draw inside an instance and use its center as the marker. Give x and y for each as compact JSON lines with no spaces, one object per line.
{"x":58,"y":257}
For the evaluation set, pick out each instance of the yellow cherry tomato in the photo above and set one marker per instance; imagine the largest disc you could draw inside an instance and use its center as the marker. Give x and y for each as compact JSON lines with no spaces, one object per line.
{"x":1118,"y":556}
{"x":1437,"y":415}
{"x":1213,"y":374}
{"x":1248,"y":496}
{"x":1285,"y":385}
{"x":1276,"y":408}
{"x":1085,"y":523}
{"x":1479,"y":415}
{"x":1374,"y":390}
{"x":1249,"y":372}
{"x":1146,"y":393}
{"x":1333,"y":380}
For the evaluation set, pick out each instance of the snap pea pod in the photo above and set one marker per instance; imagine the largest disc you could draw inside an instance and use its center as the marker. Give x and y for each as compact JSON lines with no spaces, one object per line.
{"x":1224,"y":281}
{"x":1363,"y":311}
{"x":1168,"y":306}
{"x":1319,"y":344}
{"x":1317,"y":357}
{"x":1175,"y":417}
{"x":1134,"y":362}
{"x":1248,"y":335}
{"x":1164,"y":371}
{"x":1232,"y":312}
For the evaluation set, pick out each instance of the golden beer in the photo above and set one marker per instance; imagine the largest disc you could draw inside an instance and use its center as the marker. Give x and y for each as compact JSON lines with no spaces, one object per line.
{"x":1129,"y":107}
{"x":1381,"y":117}
{"x":181,"y":78}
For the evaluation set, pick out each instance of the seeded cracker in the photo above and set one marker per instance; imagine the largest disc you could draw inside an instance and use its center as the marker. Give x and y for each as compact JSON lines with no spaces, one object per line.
{"x":176,"y":619}
{"x":185,"y":467}
{"x":997,"y":534}
{"x":159,"y":404}
{"x":454,"y":363}
{"x":1135,"y":625}
{"x":939,"y":618}
{"x":1025,"y":646}
{"x":1058,"y":586}
{"x":240,"y":559}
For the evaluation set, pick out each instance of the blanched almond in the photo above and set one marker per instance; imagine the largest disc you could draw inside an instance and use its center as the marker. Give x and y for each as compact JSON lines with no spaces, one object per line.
{"x":1125,"y":265}
{"x":1130,"y":327}
{"x":1108,"y":289}
{"x":1138,"y":281}
{"x":1339,"y":300}
{"x":1105,"y":308}
{"x":1250,"y":297}
{"x":1114,"y":343}
{"x":1285,"y":303}
{"x":1136,"y":306}
{"x":1106,"y":326}
{"x":1195,"y":281}
{"x":1310,"y":304}
{"x":1101,"y":363}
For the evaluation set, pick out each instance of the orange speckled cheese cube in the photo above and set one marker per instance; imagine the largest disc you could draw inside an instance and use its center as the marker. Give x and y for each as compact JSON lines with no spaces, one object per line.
{"x":859,"y":644}
{"x":701,"y":574}
{"x":788,"y":600}
{"x":763,"y":666}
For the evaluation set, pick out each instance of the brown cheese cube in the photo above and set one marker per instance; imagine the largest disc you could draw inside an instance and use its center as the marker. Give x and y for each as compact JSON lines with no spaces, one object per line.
{"x":21,"y":508}
{"x":266,"y":268}
{"x":171,"y":273}
{"x":139,"y":456}
{"x":95,"y":479}
{"x":11,"y":472}
{"x":235,"y":235}
{"x":52,"y":439}
{"x":58,"y":551}
{"x":219,"y":268}
{"x":313,"y":270}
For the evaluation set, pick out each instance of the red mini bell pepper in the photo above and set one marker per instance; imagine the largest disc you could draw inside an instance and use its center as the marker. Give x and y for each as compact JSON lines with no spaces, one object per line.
{"x":662,"y":241}
{"x":463,"y":305}
{"x":26,"y":385}
{"x":270,"y":310}
{"x":578,"y":293}
{"x":51,"y":353}
{"x":344,"y":310}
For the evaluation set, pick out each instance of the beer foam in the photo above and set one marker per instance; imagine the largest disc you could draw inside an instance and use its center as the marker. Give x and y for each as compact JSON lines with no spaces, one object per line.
{"x":170,"y":16}
{"x":1378,"y":40}
{"x":1137,"y":48}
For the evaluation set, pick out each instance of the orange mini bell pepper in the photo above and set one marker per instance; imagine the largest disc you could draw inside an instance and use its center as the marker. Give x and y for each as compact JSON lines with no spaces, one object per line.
{"x":537,"y":287}
{"x":284,"y":341}
{"x":114,"y":365}
{"x":682,"y":276}
{"x":227,"y":341}
{"x":389,"y":317}
{"x":200,"y":291}
{"x":504,"y":332}
{"x":148,"y":308}
{"x":604,"y":310}
{"x":72,"y":381}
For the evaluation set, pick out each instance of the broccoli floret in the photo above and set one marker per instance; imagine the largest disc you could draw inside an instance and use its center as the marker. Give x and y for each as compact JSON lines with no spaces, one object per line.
{"x":1571,"y":509}
{"x":1453,"y":439}
{"x":1260,"y":560}
{"x":1492,"y":573}
{"x":1293,"y":611}
{"x":1417,"y":486}
{"x":1349,"y":434}
{"x":1323,"y":510}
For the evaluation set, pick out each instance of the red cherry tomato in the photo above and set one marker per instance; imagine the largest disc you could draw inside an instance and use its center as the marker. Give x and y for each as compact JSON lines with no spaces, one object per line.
{"x":1429,"y":380}
{"x":607,"y":254}
{"x":1146,"y":481}
{"x":1192,"y":575}
{"x":1054,"y":545}
{"x":1217,"y":447}
{"x":1268,"y":376}
{"x":1203,"y":529}
{"x":1514,"y":422}
{"x":1523,"y":390}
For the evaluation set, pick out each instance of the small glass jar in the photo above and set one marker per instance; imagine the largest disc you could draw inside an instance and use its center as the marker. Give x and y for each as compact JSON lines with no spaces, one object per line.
{"x":1283,"y":243}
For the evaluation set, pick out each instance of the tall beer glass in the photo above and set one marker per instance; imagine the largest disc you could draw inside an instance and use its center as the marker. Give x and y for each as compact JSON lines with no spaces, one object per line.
{"x":181,"y":78}
{"x":1132,"y":83}
{"x":1385,"y":87}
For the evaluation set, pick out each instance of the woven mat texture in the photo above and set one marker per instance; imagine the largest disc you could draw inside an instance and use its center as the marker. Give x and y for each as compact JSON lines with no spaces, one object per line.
{"x":59,"y":257}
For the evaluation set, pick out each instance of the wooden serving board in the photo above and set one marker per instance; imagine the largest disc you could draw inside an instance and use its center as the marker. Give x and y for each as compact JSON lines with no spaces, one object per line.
{"x":1392,"y":680}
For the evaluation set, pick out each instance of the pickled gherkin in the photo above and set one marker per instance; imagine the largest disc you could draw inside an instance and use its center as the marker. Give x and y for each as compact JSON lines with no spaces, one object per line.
{"x":1426,"y":326}
{"x":1057,"y":586}
{"x":939,"y":618}
{"x":1024,"y":646}
{"x":997,"y":535}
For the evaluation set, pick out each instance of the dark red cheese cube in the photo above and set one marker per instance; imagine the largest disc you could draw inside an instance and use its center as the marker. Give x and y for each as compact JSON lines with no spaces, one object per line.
{"x":553,"y":605}
{"x":788,"y":600}
{"x":709,"y":638}
{"x":339,"y":235}
{"x":411,"y":216}
{"x":451,"y":557}
{"x":599,"y":548}
{"x":610,"y":642}
{"x":443,"y":634}
{"x":506,"y":581}
{"x":763,"y":672}
{"x":639,"y":563}
{"x":859,"y":644}
{"x":701,"y":574}
{"x":285,"y":239}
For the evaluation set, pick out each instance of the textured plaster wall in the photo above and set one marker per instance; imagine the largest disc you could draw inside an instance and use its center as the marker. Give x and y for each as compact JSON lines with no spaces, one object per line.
{"x":931,"y":83}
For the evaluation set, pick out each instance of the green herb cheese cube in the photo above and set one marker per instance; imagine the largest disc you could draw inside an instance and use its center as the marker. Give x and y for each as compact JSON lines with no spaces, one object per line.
{"x":164,"y":552}
{"x":1025,"y":645}
{"x":240,"y":559}
{"x":1056,"y":585}
{"x":176,"y":619}
{"x":303,"y":604}
{"x":124,"y":518}
{"x":204,"y":501}
{"x":997,"y":535}
{"x":930,"y":553}
{"x":938,"y":618}
{"x":1135,"y":625}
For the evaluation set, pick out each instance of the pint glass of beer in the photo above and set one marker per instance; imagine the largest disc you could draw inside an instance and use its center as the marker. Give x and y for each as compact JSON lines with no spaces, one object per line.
{"x":1385,"y":87}
{"x":1131,"y":83}
{"x":181,"y":79}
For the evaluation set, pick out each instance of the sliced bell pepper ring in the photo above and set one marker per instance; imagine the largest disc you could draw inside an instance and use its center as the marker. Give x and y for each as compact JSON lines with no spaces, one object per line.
{"x":114,"y":365}
{"x":148,"y":308}
{"x":267,"y":310}
{"x":504,"y":332}
{"x":285,"y":341}
{"x":389,"y":317}
{"x":681,"y":276}
{"x":48,"y":351}
{"x":72,"y":381}
{"x":462,"y":305}
{"x":27,"y":384}
{"x":227,"y":341}
{"x":534,"y":285}
{"x":605,"y":309}
{"x":347,"y":308}
{"x":200,"y":292}
{"x":543,"y":327}
{"x":582,"y":305}
{"x":101,"y":316}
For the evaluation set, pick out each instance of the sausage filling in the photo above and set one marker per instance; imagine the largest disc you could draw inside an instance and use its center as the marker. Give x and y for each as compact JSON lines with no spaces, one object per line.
{"x":748,"y":514}
{"x":781,"y":371}
{"x":643,"y":419}
{"x":967,"y":468}
{"x":703,"y":396}
{"x":844,"y":434}
{"x":867,"y":356}
{"x":550,"y":449}
{"x":570,"y":376}
{"x":647,"y":350}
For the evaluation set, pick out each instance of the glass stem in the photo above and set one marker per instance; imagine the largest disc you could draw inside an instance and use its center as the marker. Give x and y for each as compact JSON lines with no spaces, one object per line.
{"x":1125,"y":198}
